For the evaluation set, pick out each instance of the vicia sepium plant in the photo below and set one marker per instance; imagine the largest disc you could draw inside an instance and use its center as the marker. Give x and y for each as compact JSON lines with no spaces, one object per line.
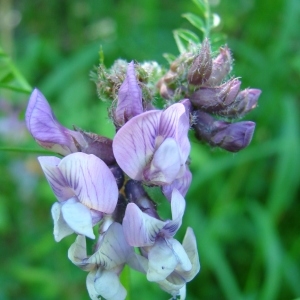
{"x":101,"y":184}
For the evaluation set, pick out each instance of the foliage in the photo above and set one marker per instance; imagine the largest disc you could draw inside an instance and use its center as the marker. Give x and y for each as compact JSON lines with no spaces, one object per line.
{"x":243,"y":207}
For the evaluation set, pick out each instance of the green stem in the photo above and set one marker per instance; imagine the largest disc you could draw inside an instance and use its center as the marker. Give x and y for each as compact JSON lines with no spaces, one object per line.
{"x":16,"y":149}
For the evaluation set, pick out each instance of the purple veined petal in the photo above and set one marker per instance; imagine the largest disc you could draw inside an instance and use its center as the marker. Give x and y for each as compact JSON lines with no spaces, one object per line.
{"x":177,"y":207}
{"x":113,"y":250}
{"x":107,"y":284}
{"x":162,"y":260}
{"x":91,"y":286}
{"x":134,"y":143}
{"x":140,"y":230}
{"x":61,"y":228}
{"x":91,"y":180}
{"x":43,"y":126}
{"x":78,"y":217}
{"x":55,"y":178}
{"x":165,"y":164}
{"x":129,"y":97}
{"x":182,"y":184}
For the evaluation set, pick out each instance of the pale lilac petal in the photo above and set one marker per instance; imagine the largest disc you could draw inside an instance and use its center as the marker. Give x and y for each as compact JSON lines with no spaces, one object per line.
{"x":182,"y":184}
{"x":162,"y":260}
{"x":177,"y":207}
{"x":91,"y":180}
{"x":55,"y":178}
{"x":43,"y":126}
{"x":138,"y":262}
{"x":107,"y":284}
{"x":113,"y":249}
{"x":165,"y":164}
{"x":90,"y":285}
{"x":184,"y":263}
{"x":140,"y":229}
{"x":61,"y":228}
{"x":190,"y":246}
{"x":78,"y":217}
{"x":134,"y":143}
{"x":174,"y":285}
{"x":129,"y":98}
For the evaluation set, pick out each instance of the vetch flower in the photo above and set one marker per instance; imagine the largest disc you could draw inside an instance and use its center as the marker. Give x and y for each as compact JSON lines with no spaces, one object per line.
{"x":105,"y":265}
{"x":85,"y":189}
{"x":156,"y":238}
{"x":153,"y":147}
{"x":50,"y":134}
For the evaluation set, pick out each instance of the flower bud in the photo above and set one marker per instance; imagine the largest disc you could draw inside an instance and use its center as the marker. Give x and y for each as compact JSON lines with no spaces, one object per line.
{"x":214,"y":99}
{"x":135,"y":193}
{"x":221,"y":67}
{"x":233,"y":137}
{"x":245,"y":101}
{"x":97,"y":145}
{"x":201,"y":67}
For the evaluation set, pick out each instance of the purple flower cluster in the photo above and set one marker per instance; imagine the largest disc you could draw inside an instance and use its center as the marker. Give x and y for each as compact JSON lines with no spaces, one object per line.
{"x":100,"y":184}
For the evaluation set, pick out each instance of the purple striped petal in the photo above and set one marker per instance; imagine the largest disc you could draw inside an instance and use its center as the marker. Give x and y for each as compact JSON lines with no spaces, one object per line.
{"x":55,"y":178}
{"x":129,"y":98}
{"x":140,"y":229}
{"x":134,"y":143}
{"x":92,"y":181}
{"x":43,"y":126}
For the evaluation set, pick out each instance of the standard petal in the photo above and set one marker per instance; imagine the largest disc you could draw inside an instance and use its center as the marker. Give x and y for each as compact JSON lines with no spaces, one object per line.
{"x":134,"y":143}
{"x":43,"y":126}
{"x":166,"y":163}
{"x":91,"y":180}
{"x":129,"y":98}
{"x":78,"y":217}
{"x":61,"y":228}
{"x":140,"y":229}
{"x":107,"y":284}
{"x":55,"y":178}
{"x":162,"y":260}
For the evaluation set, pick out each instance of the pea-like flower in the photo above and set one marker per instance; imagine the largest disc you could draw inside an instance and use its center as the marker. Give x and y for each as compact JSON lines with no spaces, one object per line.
{"x":85,"y":189}
{"x":105,"y":264}
{"x":153,"y":147}
{"x":166,"y":257}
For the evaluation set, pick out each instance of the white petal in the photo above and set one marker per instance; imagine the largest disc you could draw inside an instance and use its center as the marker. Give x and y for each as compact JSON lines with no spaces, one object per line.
{"x":184,"y":263}
{"x":107,"y":284}
{"x":78,"y":217}
{"x":162,"y":261}
{"x":61,"y":228}
{"x":90,"y":285}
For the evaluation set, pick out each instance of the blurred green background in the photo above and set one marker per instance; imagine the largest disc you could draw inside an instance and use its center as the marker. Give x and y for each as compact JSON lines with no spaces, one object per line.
{"x":244,"y":207}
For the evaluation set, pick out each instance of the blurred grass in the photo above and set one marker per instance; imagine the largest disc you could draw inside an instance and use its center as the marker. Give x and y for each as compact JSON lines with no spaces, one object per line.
{"x":244,"y":208}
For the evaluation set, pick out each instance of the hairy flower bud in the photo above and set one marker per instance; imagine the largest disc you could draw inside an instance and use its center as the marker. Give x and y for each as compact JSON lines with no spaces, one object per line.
{"x":232,"y":137}
{"x":245,"y":101}
{"x":201,"y":67}
{"x":97,"y":145}
{"x":214,"y":99}
{"x":221,"y":67}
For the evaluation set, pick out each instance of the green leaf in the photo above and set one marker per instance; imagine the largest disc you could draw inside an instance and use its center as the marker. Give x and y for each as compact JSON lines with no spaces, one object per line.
{"x":195,"y":21}
{"x":203,"y":6}
{"x":184,"y":38}
{"x":169,"y":57}
{"x":10,"y":76}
